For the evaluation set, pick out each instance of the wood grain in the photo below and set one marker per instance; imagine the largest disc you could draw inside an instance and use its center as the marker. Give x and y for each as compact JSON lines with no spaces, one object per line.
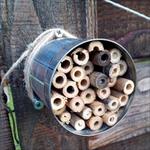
{"x":137,"y":120}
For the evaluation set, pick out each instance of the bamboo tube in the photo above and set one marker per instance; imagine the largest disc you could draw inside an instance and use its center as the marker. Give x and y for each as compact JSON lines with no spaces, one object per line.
{"x":98,"y":108}
{"x":98,"y":80}
{"x":96,"y":45}
{"x":77,"y":122}
{"x":123,"y":67}
{"x":103,"y":93}
{"x":70,"y":90}
{"x":59,"y":111}
{"x":110,"y":118}
{"x":94,"y":123}
{"x":80,"y":56}
{"x":101,"y":58}
{"x":58,"y":101}
{"x":84,"y":83}
{"x":65,"y":117}
{"x":124,"y":85}
{"x":122,"y":98}
{"x":59,"y":80}
{"x":115,"y":55}
{"x":77,"y":73}
{"x":88,"y":96}
{"x":66,"y":65}
{"x":112,"y":82}
{"x":86,"y":113}
{"x":88,"y":67}
{"x":111,"y":103}
{"x":76,"y":104}
{"x":112,"y":70}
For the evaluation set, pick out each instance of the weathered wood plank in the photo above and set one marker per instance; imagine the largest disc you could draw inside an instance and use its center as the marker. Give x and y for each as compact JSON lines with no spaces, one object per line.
{"x":137,"y":120}
{"x":136,"y":143}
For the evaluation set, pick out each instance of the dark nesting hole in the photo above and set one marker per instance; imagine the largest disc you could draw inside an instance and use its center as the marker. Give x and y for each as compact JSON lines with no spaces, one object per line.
{"x":87,"y":68}
{"x":102,"y":81}
{"x":96,"y":123}
{"x":123,"y":98}
{"x":77,"y":103}
{"x":81,"y":56}
{"x":95,"y":48}
{"x":57,"y":101}
{"x":83,"y":82}
{"x":104,"y":57}
{"x":99,"y":109}
{"x":70,"y":89}
{"x":65,"y":64}
{"x":88,"y":95}
{"x":59,"y":79}
{"x":114,"y":104}
{"x":77,"y":73}
{"x":129,"y":86}
{"x":104,"y":92}
{"x":112,"y":119}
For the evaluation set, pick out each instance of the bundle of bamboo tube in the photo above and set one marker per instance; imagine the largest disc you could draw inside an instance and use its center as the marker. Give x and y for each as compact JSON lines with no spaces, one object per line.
{"x":89,"y":87}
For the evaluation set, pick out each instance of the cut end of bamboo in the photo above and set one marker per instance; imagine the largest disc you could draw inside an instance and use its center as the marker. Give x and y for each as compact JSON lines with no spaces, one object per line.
{"x":59,"y":80}
{"x":65,"y":117}
{"x":95,"y":123}
{"x":124,"y":85}
{"x":66,"y":65}
{"x":123,"y":67}
{"x":101,"y":58}
{"x":86,"y":113}
{"x":77,"y":73}
{"x":80,"y":56}
{"x":103,"y":93}
{"x":110,"y":118}
{"x":98,"y":108}
{"x":122,"y":98}
{"x":112,"y":82}
{"x":88,"y":67}
{"x":112,"y":103}
{"x":114,"y":71}
{"x":77,"y":122}
{"x":84,"y":83}
{"x":88,"y":96}
{"x":70,"y":90}
{"x":98,"y":80}
{"x":58,"y":101}
{"x":76,"y":104}
{"x":95,"y":46}
{"x":115,"y":55}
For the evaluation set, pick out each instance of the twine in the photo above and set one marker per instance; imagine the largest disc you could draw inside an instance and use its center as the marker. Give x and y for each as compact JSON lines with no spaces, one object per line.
{"x":30,"y":53}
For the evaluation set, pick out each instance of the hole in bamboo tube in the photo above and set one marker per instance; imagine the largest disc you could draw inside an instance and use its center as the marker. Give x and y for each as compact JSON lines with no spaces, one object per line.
{"x":129,"y":86}
{"x":123,"y":98}
{"x":65,"y":64}
{"x":114,"y":104}
{"x":102,"y":81}
{"x":77,"y":103}
{"x":96,"y":48}
{"x":96,"y":123}
{"x":114,"y":70}
{"x":104,"y":57}
{"x":99,"y":109}
{"x":104,"y":92}
{"x":121,"y":66}
{"x":70,"y":89}
{"x":87,"y":68}
{"x":77,"y":73}
{"x":81,"y":56}
{"x":57,"y":101}
{"x":88,"y":95}
{"x":111,"y":119}
{"x":83,"y":82}
{"x":115,"y":55}
{"x":59,"y":79}
{"x":79,"y":124}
